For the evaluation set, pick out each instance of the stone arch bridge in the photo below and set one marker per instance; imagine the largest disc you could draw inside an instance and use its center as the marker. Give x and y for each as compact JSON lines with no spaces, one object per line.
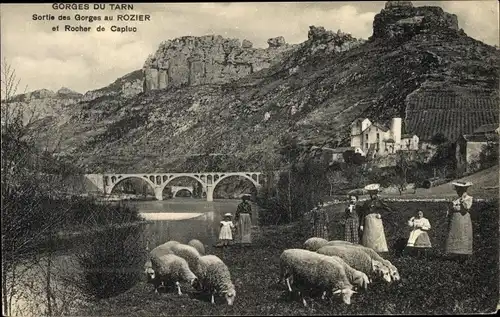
{"x":158,"y":181}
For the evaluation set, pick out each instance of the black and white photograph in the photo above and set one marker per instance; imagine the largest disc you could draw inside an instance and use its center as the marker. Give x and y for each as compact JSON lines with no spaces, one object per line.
{"x":250,"y":158}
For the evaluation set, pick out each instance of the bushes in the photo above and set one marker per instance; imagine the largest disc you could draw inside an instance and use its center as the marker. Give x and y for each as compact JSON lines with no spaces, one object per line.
{"x":111,"y":261}
{"x":288,"y":200}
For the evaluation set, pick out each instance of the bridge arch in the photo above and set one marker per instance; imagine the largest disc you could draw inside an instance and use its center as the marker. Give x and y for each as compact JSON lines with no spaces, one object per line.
{"x":117,"y":179}
{"x":195,"y":177}
{"x":183,"y":188}
{"x":248,"y":176}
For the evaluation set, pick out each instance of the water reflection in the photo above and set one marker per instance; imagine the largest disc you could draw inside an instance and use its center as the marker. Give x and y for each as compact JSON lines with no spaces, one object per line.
{"x":204,"y":226}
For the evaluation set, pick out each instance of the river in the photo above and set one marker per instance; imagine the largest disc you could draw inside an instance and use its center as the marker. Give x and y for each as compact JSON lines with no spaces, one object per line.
{"x":183,"y":219}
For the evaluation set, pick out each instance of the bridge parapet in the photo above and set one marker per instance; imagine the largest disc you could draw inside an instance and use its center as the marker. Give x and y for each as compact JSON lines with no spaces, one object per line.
{"x":158,"y":181}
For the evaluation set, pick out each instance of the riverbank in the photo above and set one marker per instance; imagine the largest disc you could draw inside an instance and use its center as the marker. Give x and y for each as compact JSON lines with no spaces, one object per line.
{"x":429,"y":286}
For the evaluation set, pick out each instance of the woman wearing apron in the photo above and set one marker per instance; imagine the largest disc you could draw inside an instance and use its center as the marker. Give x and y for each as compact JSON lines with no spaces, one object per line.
{"x":244,"y":220}
{"x":459,"y":241}
{"x":371,"y":224}
{"x":419,"y":239}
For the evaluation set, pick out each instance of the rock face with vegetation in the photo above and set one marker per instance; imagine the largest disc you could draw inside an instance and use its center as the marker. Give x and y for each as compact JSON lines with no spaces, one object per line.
{"x":126,"y":86}
{"x":313,"y":90}
{"x":401,"y":18}
{"x":208,"y":59}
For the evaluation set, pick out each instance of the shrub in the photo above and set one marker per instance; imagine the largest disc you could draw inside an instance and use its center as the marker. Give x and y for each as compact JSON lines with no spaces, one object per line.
{"x":111,"y":261}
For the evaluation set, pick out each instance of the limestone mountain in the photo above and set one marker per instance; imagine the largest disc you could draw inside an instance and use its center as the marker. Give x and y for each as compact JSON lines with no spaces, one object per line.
{"x":208,"y":59}
{"x":418,"y":65}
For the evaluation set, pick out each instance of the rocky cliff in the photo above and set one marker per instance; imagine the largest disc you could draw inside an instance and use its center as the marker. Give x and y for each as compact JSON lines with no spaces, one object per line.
{"x":314,"y":92}
{"x":401,"y":18}
{"x":126,"y":86}
{"x":45,"y":103}
{"x":190,"y":61}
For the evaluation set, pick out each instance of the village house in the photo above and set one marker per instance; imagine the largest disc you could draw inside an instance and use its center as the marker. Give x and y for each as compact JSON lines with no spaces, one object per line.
{"x":376,"y":140}
{"x":470,"y":146}
{"x":337,"y":154}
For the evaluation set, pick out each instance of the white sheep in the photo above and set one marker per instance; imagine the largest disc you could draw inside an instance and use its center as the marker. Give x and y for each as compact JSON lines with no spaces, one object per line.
{"x":214,"y":277}
{"x":198,"y":245}
{"x":163,"y":248}
{"x":171,"y":269}
{"x":356,"y":277}
{"x":188,"y":253}
{"x":308,"y":269}
{"x":358,"y":259}
{"x":373,"y":254}
{"x":313,"y":244}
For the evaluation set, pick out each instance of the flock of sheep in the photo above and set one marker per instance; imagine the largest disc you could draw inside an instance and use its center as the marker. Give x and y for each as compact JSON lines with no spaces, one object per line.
{"x":333,"y":267}
{"x":173,"y":262}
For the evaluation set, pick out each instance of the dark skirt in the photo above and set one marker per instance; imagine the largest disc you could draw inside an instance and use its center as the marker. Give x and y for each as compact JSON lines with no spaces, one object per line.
{"x":351,"y":230}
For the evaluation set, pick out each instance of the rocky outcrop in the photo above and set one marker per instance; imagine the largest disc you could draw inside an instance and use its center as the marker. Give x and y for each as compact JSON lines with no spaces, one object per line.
{"x":321,"y":42}
{"x":63,"y":93}
{"x":68,"y":93}
{"x":210,"y":59}
{"x":330,"y":41}
{"x":126,"y":86}
{"x":401,"y":19}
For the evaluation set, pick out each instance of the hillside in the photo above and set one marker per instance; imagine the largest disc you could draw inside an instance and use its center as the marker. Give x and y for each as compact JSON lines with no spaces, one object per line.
{"x":415,"y":56}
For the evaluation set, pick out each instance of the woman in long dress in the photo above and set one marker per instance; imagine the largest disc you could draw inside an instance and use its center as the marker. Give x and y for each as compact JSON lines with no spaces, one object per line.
{"x":321,"y":222}
{"x":459,"y":241}
{"x":371,"y":224}
{"x":244,"y":219}
{"x":351,"y":221}
{"x":419,"y":238}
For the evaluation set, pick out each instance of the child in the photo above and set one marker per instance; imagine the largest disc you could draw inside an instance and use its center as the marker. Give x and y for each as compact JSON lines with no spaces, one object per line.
{"x":226,"y":230}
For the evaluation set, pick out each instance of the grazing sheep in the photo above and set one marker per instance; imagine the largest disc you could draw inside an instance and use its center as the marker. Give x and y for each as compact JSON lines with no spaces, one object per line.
{"x":188,"y":253}
{"x":357,"y":278}
{"x":150,"y":273}
{"x":358,"y":259}
{"x":198,"y":245}
{"x":313,"y":244}
{"x":171,"y":269}
{"x":214,"y":277}
{"x":308,"y":269}
{"x":373,"y":254}
{"x":163,"y":248}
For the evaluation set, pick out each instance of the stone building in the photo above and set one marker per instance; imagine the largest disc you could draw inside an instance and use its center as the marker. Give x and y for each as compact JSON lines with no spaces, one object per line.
{"x":375,"y":139}
{"x":337,"y":154}
{"x":470,"y":146}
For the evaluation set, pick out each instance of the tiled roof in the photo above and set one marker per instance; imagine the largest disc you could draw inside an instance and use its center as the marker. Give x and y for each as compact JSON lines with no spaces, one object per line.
{"x":375,"y":124}
{"x":486,"y":128}
{"x":358,"y":119}
{"x":481,"y":137}
{"x":407,"y":136}
{"x":339,"y":149}
{"x":380,"y":126}
{"x":453,"y":111}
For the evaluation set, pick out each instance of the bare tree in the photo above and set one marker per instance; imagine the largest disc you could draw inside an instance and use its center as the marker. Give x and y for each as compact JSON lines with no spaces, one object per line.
{"x":335,"y":178}
{"x":23,"y":228}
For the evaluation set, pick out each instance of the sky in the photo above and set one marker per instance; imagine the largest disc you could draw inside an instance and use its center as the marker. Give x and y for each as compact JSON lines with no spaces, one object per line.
{"x":85,"y":61}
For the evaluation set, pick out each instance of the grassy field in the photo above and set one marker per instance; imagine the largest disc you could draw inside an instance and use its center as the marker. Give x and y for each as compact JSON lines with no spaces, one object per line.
{"x":429,"y":286}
